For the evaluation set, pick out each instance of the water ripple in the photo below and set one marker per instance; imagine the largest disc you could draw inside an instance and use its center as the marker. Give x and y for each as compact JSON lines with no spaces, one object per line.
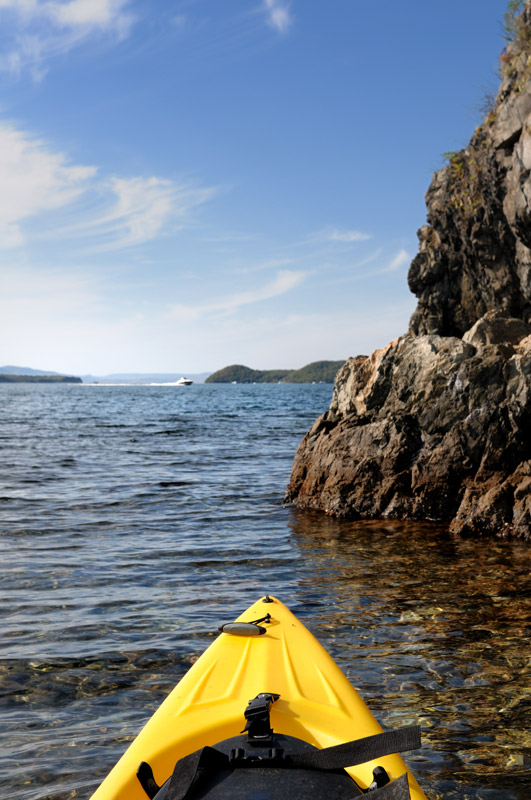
{"x":135,"y":520}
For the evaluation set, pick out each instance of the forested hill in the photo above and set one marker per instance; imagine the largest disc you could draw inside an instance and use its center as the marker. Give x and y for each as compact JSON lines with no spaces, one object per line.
{"x":316,"y":372}
{"x":6,"y":378}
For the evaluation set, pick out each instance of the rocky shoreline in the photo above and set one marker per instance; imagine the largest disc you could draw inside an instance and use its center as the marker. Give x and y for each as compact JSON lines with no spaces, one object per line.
{"x":437,"y":425}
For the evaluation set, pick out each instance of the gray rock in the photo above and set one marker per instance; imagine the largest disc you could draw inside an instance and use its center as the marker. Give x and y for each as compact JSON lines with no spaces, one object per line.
{"x":511,"y":117}
{"x":427,"y":428}
{"x":495,"y":328}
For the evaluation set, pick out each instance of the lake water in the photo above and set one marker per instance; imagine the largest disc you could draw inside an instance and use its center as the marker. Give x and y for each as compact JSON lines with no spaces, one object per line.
{"x":135,"y":519}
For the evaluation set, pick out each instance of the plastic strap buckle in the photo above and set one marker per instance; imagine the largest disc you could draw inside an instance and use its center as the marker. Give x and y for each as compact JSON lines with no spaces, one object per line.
{"x":258,"y":725}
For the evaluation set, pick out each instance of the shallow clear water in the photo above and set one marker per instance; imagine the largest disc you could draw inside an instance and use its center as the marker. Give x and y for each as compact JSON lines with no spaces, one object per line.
{"x":135,"y":519}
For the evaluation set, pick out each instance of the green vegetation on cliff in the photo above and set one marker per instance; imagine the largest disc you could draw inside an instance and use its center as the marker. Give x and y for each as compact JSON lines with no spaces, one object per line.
{"x":316,"y":372}
{"x":515,"y":28}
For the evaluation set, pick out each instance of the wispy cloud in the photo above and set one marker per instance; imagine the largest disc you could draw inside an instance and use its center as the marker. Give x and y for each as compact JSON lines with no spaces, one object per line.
{"x":272,"y":263}
{"x":401,"y":258}
{"x":105,"y":14}
{"x":339,"y":236}
{"x":370,"y":258}
{"x":381,"y":264}
{"x":33,"y":180}
{"x":40,"y":30}
{"x":123,"y":212}
{"x":136,"y":210}
{"x":395,"y":263}
{"x":284,"y":282}
{"x":279,"y":16}
{"x":348,"y":236}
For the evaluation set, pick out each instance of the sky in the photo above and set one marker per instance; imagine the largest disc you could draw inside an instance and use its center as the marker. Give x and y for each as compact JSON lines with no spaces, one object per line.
{"x":187,"y":184}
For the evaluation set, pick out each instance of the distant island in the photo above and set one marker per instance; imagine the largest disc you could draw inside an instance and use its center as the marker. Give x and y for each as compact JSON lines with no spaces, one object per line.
{"x":11,"y":374}
{"x":6,"y":378}
{"x":316,"y":372}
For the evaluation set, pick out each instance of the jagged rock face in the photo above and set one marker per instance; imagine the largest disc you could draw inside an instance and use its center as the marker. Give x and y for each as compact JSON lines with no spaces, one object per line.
{"x":438,"y":424}
{"x":428,"y":428}
{"x":474,"y":253}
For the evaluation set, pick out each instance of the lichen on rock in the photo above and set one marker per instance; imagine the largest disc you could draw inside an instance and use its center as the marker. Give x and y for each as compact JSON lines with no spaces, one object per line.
{"x":437,"y":425}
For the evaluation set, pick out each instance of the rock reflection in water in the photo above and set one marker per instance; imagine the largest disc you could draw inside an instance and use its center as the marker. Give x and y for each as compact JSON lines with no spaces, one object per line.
{"x":434,"y":630}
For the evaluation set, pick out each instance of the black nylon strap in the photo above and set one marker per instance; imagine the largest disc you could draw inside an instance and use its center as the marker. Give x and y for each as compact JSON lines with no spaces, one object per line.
{"x":349,"y":754}
{"x":187,"y":768}
{"x":396,"y":790}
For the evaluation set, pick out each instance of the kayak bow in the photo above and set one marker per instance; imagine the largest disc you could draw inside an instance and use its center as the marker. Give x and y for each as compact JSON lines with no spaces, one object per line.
{"x":268,"y":672}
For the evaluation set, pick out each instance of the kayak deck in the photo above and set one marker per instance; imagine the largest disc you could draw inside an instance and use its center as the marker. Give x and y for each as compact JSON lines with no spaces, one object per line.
{"x":317,"y":703}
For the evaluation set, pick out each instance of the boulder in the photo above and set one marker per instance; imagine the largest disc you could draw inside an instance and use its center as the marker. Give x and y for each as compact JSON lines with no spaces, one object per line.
{"x":495,"y":328}
{"x":430,"y":427}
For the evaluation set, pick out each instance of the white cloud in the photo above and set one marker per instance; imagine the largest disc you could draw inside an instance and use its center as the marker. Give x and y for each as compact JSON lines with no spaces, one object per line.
{"x":348,"y":236}
{"x":278,"y":15}
{"x":284,"y":282}
{"x":401,"y":258}
{"x":272,"y":263}
{"x":21,"y":6}
{"x":338,"y":236}
{"x":139,"y":209}
{"x":143,"y":207}
{"x":370,"y":258}
{"x":44,"y":29}
{"x":108,"y":14}
{"x":33,"y":180}
{"x":90,"y":13}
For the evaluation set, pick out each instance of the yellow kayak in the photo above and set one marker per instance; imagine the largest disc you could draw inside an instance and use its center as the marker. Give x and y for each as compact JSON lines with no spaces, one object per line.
{"x":264,"y":713}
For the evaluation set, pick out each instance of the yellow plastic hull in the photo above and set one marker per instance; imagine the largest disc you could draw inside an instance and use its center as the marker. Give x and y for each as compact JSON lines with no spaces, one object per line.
{"x":317,"y":703}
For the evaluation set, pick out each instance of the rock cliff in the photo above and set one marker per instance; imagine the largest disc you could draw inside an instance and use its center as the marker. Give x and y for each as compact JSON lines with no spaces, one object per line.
{"x":474,"y":251}
{"x":437,"y":425}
